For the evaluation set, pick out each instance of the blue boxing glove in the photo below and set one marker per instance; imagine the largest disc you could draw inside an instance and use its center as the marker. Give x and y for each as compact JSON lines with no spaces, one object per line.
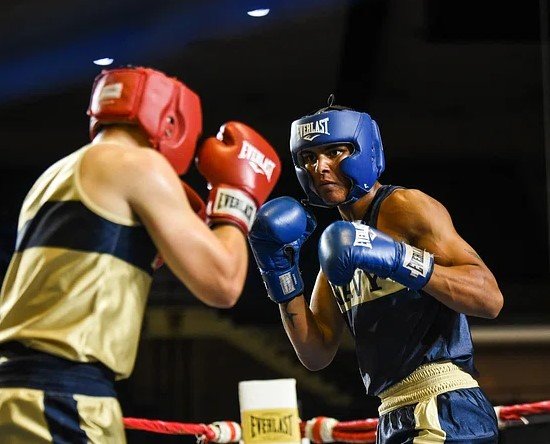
{"x":346,"y":246}
{"x":281,"y":227}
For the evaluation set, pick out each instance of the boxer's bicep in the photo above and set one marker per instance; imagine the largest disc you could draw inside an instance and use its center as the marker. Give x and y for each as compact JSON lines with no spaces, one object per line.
{"x":460,"y":280}
{"x":436,"y":233}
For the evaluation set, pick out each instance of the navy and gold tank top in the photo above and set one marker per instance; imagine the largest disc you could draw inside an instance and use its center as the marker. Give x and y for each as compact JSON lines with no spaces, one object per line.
{"x":78,"y":281}
{"x":397,"y":329}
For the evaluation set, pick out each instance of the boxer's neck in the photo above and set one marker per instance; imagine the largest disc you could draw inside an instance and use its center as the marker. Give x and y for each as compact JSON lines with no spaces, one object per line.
{"x":129,"y":135}
{"x":357,"y":210}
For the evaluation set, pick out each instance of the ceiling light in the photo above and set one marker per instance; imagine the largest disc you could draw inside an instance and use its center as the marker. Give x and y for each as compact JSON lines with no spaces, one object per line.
{"x":258,"y":12}
{"x":104,"y":61}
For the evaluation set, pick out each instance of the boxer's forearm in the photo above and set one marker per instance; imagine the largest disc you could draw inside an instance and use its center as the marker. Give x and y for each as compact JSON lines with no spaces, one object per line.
{"x":468,"y":289}
{"x":314,"y":345}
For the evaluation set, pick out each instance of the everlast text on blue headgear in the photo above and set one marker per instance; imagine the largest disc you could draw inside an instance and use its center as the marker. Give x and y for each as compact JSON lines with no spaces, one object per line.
{"x":343,"y":126}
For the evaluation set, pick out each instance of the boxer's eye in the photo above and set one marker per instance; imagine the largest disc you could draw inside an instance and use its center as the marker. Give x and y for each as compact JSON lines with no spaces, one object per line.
{"x":308,"y":158}
{"x":334,"y":152}
{"x":338,"y":151}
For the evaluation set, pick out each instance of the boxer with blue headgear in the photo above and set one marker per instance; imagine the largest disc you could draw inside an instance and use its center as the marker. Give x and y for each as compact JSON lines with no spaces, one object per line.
{"x":339,"y":125}
{"x":394,"y":270}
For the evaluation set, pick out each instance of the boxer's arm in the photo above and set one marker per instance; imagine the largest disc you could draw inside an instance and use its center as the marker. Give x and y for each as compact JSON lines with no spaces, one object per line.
{"x":315,"y":331}
{"x":460,"y":278}
{"x":212,"y":264}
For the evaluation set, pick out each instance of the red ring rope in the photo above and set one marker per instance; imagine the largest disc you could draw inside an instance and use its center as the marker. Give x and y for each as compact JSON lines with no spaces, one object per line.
{"x":358,"y":431}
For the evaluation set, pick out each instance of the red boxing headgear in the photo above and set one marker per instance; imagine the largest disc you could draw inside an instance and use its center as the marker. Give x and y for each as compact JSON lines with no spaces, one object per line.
{"x":168,"y":111}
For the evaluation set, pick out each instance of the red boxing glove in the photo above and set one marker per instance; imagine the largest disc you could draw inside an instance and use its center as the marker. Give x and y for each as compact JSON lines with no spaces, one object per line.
{"x":198,"y":207}
{"x":242,"y":168}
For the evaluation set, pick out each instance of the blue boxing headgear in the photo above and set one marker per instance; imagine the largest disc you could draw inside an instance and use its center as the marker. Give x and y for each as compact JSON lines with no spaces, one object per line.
{"x":340,"y":125}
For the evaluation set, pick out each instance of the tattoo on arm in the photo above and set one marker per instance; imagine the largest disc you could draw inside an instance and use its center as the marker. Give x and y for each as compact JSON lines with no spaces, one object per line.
{"x":289,"y":316}
{"x":474,"y":254}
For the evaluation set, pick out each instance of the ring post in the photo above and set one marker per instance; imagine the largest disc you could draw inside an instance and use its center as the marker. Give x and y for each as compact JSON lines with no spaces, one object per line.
{"x":269,"y":412}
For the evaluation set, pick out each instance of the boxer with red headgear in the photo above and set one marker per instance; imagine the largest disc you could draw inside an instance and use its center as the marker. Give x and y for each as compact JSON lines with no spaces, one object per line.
{"x":165,"y":109}
{"x":90,"y":233}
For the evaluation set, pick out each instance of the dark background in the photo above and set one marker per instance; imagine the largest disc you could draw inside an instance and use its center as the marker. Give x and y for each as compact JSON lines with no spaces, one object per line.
{"x":459,"y":90}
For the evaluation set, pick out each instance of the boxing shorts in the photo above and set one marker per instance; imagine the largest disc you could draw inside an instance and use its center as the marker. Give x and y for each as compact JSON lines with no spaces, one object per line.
{"x":437,"y":403}
{"x":48,"y":399}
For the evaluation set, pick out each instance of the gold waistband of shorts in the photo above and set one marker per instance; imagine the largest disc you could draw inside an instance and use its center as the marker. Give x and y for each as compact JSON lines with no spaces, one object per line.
{"x":425,"y":382}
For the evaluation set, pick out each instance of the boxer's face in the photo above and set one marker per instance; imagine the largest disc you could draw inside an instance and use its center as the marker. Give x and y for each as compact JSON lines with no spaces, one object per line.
{"x":322,"y":163}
